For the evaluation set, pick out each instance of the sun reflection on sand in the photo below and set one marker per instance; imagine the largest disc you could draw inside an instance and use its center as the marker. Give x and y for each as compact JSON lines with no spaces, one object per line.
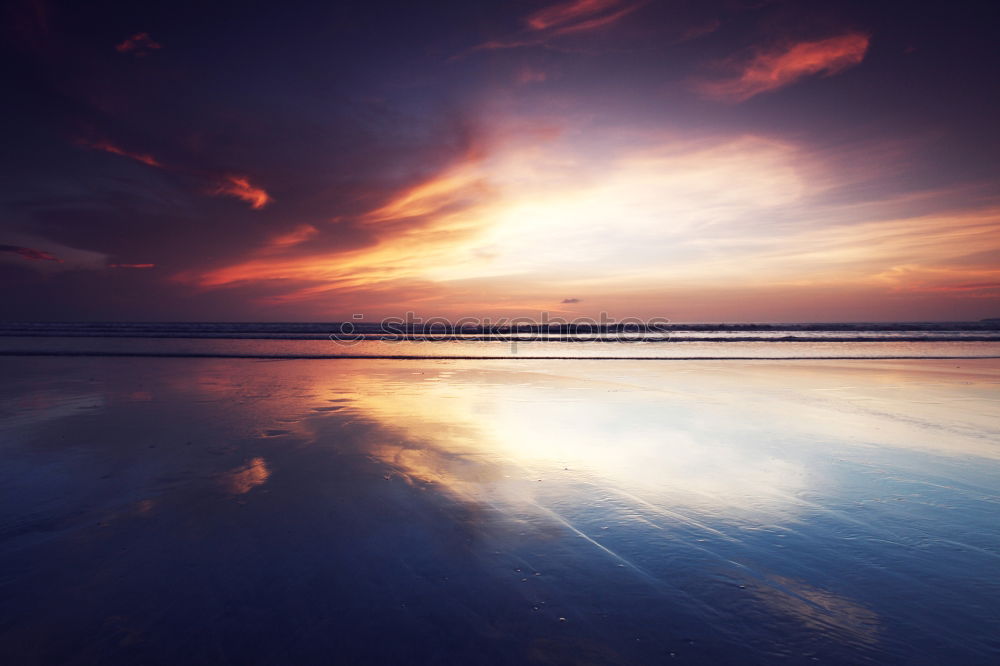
{"x":698,"y":440}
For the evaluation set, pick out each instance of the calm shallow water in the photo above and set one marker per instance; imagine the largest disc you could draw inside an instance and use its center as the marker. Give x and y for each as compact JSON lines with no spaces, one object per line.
{"x":235,"y":511}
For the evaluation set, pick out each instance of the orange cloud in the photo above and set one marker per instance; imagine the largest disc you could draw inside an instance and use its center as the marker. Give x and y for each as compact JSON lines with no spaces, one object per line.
{"x":30,"y":253}
{"x":294,"y":237}
{"x":456,"y":188}
{"x":131,"y":265}
{"x":140,"y":43}
{"x":783,"y":66}
{"x":109,"y":147}
{"x":419,"y":226}
{"x":240,"y":187}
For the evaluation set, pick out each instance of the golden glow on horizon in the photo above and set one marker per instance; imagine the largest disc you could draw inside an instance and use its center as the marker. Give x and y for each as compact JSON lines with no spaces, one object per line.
{"x":698,"y":215}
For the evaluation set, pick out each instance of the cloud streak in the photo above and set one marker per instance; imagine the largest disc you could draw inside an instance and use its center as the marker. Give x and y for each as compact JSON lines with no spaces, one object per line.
{"x":558,"y":15}
{"x":576,"y":16}
{"x":229,"y":185}
{"x":296,"y":236}
{"x":109,"y":147}
{"x":241,"y":188}
{"x":75,"y":258}
{"x":597,"y":22}
{"x":46,"y":256}
{"x":30,"y":253}
{"x":579,"y":15}
{"x":775,"y":68}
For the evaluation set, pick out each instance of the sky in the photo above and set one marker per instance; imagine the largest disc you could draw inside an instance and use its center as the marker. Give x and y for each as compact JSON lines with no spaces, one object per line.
{"x":730,"y":160}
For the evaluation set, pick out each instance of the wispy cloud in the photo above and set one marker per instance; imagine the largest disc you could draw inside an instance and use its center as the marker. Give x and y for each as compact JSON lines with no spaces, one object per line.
{"x":570,"y":300}
{"x":230,"y":185}
{"x":241,"y":188}
{"x":555,"y":16}
{"x":75,"y":259}
{"x":566,"y":18}
{"x":139,"y":44}
{"x":296,"y":236}
{"x":983,"y":282}
{"x":46,"y":256}
{"x":597,"y":22}
{"x":109,"y":147}
{"x":30,"y":253}
{"x":775,"y":68}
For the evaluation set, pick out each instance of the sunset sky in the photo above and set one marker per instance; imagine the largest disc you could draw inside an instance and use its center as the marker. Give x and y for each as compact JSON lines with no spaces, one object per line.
{"x":739,"y":160}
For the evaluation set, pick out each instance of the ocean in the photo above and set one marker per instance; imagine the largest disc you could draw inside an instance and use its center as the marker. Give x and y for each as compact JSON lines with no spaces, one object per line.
{"x":350,"y":340}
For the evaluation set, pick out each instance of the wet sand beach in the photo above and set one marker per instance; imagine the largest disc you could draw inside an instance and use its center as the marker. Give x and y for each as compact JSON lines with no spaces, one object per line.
{"x":239,"y":511}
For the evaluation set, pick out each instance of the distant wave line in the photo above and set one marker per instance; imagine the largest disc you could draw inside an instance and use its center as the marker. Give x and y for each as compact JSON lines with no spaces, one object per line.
{"x":435,"y":326}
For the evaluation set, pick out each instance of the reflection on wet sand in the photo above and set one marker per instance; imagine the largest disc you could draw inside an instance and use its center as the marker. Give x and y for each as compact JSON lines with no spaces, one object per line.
{"x":819,"y":610}
{"x":698,"y":438}
{"x":558,"y":512}
{"x":246,"y":477}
